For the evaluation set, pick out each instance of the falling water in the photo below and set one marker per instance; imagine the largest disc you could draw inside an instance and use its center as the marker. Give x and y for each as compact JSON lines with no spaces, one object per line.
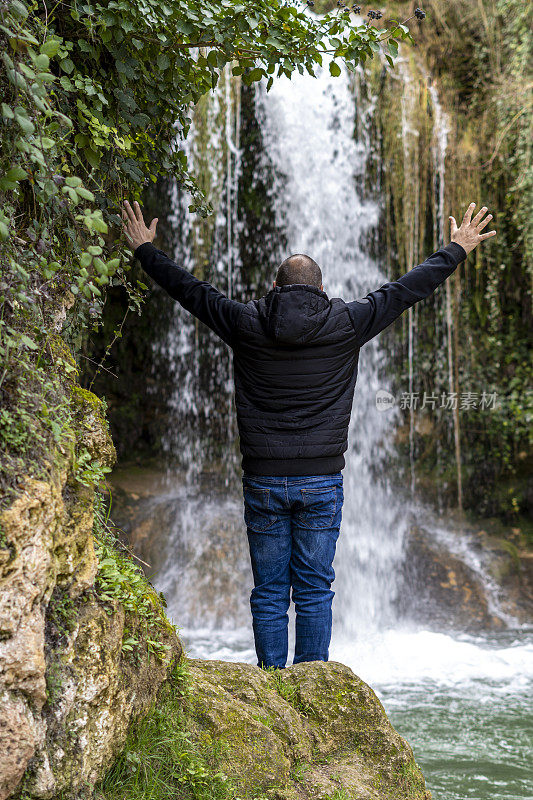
{"x":202,"y":396}
{"x":441,"y":130}
{"x":440,"y":143}
{"x":410,"y":220}
{"x":310,"y":135}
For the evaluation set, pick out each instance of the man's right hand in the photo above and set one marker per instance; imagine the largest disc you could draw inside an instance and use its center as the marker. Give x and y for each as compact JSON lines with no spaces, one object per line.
{"x":468,"y":235}
{"x":134,"y":228}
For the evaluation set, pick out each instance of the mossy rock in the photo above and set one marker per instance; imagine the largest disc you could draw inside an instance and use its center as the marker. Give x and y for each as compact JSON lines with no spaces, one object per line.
{"x":91,"y":427}
{"x":310,"y":730}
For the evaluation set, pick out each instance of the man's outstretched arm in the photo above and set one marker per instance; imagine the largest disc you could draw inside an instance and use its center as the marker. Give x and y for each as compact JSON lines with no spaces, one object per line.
{"x":380,"y":308}
{"x":200,"y":298}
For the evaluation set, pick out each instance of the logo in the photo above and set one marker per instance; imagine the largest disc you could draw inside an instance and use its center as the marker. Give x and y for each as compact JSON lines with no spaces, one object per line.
{"x":384,"y":400}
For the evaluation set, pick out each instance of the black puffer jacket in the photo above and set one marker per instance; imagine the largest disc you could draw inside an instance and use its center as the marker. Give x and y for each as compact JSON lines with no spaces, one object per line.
{"x":295,"y":357}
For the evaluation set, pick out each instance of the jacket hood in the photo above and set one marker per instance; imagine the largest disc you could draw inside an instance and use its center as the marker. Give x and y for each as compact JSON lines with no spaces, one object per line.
{"x":293,"y":314}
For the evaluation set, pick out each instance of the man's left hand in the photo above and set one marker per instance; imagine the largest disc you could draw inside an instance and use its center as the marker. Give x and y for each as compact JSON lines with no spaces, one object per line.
{"x":136,"y":231}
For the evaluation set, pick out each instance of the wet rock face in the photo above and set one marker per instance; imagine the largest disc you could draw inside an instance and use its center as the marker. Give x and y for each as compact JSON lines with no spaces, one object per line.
{"x":307,"y":731}
{"x":65,"y":702}
{"x":439,"y":587}
{"x":99,"y":690}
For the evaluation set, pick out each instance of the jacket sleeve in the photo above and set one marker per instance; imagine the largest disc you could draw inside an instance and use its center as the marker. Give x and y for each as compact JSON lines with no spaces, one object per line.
{"x":200,"y":298}
{"x":378,"y":309}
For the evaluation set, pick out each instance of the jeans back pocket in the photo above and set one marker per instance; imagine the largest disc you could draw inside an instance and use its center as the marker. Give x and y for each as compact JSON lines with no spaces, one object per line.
{"x":257,"y":513}
{"x":319,"y":506}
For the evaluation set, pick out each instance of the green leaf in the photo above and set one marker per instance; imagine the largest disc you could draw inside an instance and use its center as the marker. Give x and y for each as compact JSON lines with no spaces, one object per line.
{"x":92,"y":157}
{"x":100,"y":265}
{"x":25,"y":124}
{"x":65,"y":121}
{"x":255,"y":75}
{"x":46,"y":77}
{"x":50,"y":47}
{"x":67,"y":65}
{"x":7,"y":112}
{"x":100,"y":226}
{"x":18,"y":9}
{"x":28,"y":342}
{"x":393,"y":47}
{"x":334,"y":69}
{"x":16,"y":173}
{"x":184,"y":27}
{"x":72,"y":193}
{"x":42,"y":62}
{"x":85,"y":193}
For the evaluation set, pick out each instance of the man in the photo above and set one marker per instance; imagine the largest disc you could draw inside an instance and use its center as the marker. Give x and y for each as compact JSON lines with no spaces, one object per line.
{"x":295,"y":356}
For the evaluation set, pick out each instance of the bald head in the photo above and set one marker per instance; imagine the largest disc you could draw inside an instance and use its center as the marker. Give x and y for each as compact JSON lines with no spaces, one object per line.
{"x":299,"y":269}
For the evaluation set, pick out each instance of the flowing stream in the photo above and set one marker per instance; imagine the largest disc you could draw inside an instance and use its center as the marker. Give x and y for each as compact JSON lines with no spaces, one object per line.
{"x":462,"y":699}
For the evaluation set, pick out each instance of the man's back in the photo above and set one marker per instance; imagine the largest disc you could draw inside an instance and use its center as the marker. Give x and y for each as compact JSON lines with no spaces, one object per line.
{"x":295,"y":368}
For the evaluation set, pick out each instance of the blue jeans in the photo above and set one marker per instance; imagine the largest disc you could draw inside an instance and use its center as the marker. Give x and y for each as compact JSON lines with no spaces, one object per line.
{"x":293,"y":524}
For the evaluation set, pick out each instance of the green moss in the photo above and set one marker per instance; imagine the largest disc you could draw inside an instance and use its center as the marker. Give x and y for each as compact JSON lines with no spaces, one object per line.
{"x":62,"y":356}
{"x":339,"y":794}
{"x":287,"y":690}
{"x":299,"y":771}
{"x":85,"y":400}
{"x":410,"y":780}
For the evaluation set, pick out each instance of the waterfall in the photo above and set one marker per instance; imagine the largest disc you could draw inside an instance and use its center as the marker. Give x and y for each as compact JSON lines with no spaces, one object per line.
{"x":309,"y":184}
{"x":233,"y":155}
{"x":440,"y":142}
{"x":309,"y":127}
{"x":202,"y":398}
{"x":441,"y":130}
{"x":410,"y":135}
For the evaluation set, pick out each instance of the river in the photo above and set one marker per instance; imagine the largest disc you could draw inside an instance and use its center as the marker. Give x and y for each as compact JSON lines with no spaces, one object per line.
{"x":462,"y":697}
